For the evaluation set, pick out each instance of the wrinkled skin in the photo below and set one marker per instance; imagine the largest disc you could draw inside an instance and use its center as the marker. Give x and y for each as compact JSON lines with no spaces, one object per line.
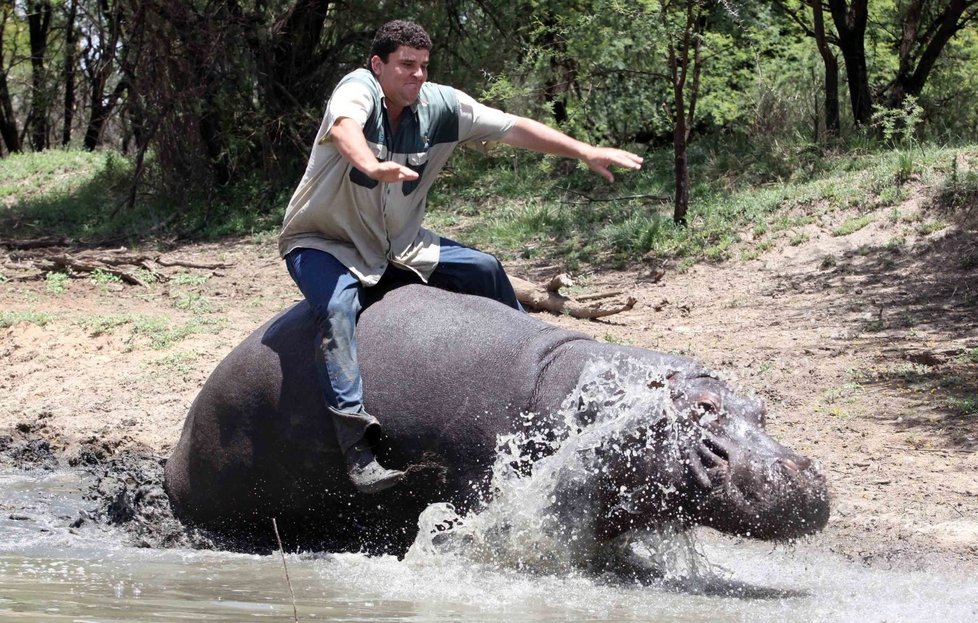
{"x":726,"y":472}
{"x":446,"y":374}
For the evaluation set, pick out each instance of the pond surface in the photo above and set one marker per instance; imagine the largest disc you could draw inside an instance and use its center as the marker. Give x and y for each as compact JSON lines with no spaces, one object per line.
{"x":52,"y":572}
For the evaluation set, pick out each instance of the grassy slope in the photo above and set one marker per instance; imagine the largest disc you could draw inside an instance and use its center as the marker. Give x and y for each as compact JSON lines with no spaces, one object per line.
{"x":519,"y":205}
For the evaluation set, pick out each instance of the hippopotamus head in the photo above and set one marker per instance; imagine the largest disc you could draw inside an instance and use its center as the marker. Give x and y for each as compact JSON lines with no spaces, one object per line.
{"x":707,"y":460}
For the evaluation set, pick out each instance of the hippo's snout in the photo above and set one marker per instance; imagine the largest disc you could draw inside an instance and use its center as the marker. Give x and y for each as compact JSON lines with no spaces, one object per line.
{"x":780,"y":499}
{"x":741,"y":480}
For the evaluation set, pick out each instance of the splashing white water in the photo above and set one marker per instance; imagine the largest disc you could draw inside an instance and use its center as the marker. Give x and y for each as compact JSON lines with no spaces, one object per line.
{"x":545,"y":520}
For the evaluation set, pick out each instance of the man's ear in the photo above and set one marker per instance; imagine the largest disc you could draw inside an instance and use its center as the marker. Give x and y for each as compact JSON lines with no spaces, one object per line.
{"x":375,"y":64}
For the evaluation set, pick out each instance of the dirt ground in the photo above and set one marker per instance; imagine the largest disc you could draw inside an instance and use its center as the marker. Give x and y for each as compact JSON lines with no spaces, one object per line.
{"x":864,"y":347}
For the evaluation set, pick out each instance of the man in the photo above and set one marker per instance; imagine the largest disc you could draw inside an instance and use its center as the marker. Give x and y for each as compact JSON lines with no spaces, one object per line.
{"x":355,"y":219}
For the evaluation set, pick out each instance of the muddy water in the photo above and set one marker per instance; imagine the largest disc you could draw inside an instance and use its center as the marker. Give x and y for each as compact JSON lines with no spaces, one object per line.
{"x":517,"y":559}
{"x":50,"y":571}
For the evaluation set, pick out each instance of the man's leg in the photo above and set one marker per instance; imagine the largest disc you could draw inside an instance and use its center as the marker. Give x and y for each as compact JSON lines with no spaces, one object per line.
{"x":466,"y":270}
{"x":334,"y":294}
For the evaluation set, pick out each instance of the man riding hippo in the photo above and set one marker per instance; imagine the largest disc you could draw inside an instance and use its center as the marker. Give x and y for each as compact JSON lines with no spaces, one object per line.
{"x":354,"y":221}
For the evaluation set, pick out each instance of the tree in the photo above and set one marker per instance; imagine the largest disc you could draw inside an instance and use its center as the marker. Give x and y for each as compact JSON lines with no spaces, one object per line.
{"x":39,"y":25}
{"x":102,"y":27}
{"x":927,"y":28}
{"x":8,"y":121}
{"x":816,"y":29}
{"x":68,"y":69}
{"x":850,"y":21}
{"x":685,"y":36}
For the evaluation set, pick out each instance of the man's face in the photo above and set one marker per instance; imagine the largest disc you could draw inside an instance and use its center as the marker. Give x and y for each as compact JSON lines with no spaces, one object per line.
{"x":402,"y":75}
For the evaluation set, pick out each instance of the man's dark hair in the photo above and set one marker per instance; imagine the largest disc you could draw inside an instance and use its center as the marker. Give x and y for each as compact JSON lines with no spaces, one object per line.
{"x":394,"y":34}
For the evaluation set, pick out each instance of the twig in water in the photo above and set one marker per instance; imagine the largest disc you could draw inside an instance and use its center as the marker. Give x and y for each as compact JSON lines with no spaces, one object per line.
{"x":295,"y":612}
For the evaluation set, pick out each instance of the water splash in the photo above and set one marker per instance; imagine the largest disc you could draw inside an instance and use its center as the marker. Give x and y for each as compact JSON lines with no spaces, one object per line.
{"x":545,"y":503}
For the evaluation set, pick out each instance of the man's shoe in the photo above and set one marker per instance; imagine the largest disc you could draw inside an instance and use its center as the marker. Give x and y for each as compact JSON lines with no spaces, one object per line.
{"x":366,"y":474}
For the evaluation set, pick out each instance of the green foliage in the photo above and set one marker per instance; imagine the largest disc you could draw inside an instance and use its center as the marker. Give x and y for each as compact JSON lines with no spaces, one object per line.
{"x":852,"y":225}
{"x":69,"y":193}
{"x":11,"y":318}
{"x":576,"y":218}
{"x":103,"y":278}
{"x":189,"y":279}
{"x":181,"y":363}
{"x":57,"y":283}
{"x":898,"y":126}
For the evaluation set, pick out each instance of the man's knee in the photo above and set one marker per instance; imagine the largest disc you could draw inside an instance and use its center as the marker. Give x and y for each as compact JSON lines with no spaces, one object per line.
{"x":487,"y":266}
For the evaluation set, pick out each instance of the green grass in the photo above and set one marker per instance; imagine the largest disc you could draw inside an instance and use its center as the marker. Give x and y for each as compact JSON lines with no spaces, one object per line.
{"x":84,"y":195}
{"x":189,"y":279}
{"x":518,"y":204}
{"x":965,"y":406}
{"x":100,"y":325}
{"x":57,"y":283}
{"x":71,"y":193}
{"x":968,"y":356}
{"x":180,"y":363}
{"x":531,"y":211}
{"x":853,"y":225}
{"x":162,"y":333}
{"x":10,"y":318}
{"x":158,"y":332}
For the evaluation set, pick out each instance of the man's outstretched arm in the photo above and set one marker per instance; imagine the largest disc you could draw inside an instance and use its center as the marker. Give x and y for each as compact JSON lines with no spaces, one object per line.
{"x":535,"y":136}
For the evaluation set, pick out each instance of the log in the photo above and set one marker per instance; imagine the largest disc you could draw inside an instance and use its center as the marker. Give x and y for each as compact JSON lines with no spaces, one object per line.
{"x":542,"y":298}
{"x":66,"y":261}
{"x":35,"y":243}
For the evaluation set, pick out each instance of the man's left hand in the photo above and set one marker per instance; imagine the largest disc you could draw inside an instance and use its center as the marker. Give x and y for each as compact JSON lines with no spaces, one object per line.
{"x":600,"y":159}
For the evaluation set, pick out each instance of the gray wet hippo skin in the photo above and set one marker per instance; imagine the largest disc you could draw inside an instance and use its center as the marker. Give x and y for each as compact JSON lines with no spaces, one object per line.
{"x":446,"y":375}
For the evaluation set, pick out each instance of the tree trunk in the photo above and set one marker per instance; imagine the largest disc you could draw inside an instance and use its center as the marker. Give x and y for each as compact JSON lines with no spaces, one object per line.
{"x":101,"y":61}
{"x":831,"y":64}
{"x":102,"y":107}
{"x":8,"y":122}
{"x":679,"y":60}
{"x":295,"y":37}
{"x":39,"y":26}
{"x":71,"y":40}
{"x":850,"y":23}
{"x":210,"y":133}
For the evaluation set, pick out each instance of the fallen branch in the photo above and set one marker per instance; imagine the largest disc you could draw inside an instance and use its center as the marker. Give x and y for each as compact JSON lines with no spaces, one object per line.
{"x":560,"y":281}
{"x":39,"y":276}
{"x":105,"y":260}
{"x":35,"y":243}
{"x":589,"y":198}
{"x":541,"y":298}
{"x":598,"y":296}
{"x":66,"y":261}
{"x":184,"y":264}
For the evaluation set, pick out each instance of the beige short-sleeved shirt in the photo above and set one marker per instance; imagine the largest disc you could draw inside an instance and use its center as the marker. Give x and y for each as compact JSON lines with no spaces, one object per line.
{"x":366,"y":224}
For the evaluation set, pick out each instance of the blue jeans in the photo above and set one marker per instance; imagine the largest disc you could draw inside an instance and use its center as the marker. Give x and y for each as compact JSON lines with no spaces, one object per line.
{"x":337,"y":298}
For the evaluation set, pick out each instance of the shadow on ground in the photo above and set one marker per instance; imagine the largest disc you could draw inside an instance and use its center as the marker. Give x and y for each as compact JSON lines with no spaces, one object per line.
{"x":917,"y":308}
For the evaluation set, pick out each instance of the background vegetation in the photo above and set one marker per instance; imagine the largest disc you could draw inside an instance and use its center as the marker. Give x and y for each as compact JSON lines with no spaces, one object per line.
{"x":134,"y":118}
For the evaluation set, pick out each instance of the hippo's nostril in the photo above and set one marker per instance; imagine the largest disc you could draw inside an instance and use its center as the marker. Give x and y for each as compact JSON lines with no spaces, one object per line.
{"x":716,"y":450}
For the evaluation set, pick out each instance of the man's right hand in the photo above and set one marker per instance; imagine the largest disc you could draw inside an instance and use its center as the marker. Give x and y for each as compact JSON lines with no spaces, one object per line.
{"x":389,"y":172}
{"x":348,"y":138}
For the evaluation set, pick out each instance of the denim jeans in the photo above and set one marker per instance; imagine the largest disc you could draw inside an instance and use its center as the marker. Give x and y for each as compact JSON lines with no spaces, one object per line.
{"x":337,"y":298}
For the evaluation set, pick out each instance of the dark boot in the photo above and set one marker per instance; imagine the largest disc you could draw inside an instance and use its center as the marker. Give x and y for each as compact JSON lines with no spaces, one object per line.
{"x":366,"y":474}
{"x":358,"y":434}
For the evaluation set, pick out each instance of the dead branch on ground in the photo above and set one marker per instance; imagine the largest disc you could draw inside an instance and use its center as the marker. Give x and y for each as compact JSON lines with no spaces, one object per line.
{"x":45,"y":255}
{"x":548,"y":298}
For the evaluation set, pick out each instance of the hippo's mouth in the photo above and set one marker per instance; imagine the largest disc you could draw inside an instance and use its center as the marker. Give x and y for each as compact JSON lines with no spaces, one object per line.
{"x":765,"y":496}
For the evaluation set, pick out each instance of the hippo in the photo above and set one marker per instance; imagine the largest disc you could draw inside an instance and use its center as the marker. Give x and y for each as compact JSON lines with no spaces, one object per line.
{"x":448,"y":376}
